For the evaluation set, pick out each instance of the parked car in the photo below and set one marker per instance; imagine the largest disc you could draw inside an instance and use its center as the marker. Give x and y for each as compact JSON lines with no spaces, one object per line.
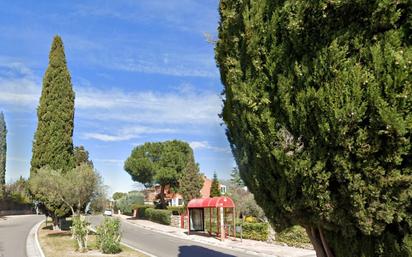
{"x":107,"y":212}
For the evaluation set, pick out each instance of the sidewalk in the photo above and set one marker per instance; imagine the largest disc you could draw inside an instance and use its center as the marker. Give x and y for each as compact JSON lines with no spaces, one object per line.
{"x":247,"y":246}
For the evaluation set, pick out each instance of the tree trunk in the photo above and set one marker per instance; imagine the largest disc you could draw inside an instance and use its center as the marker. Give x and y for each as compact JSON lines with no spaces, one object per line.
{"x":319,"y":243}
{"x":162,"y":197}
{"x":326,"y":247}
{"x":56,"y":223}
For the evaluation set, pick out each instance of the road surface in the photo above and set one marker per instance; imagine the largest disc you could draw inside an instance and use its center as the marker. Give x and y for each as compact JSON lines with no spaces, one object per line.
{"x":13,"y":234}
{"x":167,"y":246}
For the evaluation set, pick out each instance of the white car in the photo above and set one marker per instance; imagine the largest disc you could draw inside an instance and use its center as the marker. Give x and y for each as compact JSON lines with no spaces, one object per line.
{"x":107,"y":213}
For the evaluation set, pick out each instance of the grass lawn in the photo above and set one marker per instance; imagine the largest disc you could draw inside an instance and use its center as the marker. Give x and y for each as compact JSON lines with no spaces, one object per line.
{"x":60,"y":244}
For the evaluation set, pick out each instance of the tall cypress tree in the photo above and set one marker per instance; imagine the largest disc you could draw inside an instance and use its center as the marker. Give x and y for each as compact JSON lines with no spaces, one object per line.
{"x":318,"y":108}
{"x":214,"y":188}
{"x":53,"y":143}
{"x":191,"y":181}
{"x":3,"y":151}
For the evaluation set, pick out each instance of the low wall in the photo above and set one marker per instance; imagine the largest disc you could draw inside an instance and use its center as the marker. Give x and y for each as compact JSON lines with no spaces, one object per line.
{"x":176,"y":221}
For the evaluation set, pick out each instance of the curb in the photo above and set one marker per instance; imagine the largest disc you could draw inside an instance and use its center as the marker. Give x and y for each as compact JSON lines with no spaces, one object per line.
{"x":33,"y":248}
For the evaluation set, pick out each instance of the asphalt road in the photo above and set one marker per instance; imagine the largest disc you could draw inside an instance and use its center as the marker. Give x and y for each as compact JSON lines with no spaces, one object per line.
{"x":167,"y":246}
{"x":13,"y":234}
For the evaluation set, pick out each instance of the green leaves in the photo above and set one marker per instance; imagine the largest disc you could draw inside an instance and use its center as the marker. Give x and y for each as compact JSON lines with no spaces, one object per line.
{"x":62,"y":191}
{"x":318,"y":110}
{"x":159,"y":162}
{"x":191,"y":181}
{"x":215,"y":187}
{"x":53,"y":142}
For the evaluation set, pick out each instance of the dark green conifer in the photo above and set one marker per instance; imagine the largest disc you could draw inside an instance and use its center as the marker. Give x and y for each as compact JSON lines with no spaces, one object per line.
{"x":191,"y":181}
{"x":215,"y":188}
{"x":53,"y":143}
{"x":318,"y":108}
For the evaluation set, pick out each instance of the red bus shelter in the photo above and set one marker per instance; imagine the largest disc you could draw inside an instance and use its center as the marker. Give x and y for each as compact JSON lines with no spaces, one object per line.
{"x":196,"y":208}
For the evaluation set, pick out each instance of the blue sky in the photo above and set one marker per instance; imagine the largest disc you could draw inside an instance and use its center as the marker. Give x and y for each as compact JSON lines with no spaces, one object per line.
{"x":142,"y":71}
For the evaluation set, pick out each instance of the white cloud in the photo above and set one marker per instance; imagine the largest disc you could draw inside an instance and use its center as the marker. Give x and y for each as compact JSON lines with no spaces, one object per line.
{"x":180,"y":107}
{"x":20,"y":89}
{"x":18,"y":85}
{"x":127,"y":134}
{"x":163,"y":67}
{"x":168,"y":13}
{"x":118,"y":115}
{"x":205,"y":145}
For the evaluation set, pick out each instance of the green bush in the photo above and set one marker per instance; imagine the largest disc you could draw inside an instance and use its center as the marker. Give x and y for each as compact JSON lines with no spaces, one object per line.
{"x":159,"y":216}
{"x":293,"y":236}
{"x":108,"y":236}
{"x":176,"y":210}
{"x":80,"y":231}
{"x":141,"y":209}
{"x":254,"y":231}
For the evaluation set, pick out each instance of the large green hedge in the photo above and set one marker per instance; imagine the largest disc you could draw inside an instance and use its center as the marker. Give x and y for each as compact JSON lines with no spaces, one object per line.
{"x":141,"y":210}
{"x":255,"y":231}
{"x":159,"y":216}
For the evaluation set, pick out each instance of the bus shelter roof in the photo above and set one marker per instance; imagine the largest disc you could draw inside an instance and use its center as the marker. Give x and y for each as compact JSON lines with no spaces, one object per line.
{"x":215,"y":202}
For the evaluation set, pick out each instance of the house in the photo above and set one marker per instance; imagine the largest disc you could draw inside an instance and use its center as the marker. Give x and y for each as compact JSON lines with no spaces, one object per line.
{"x":151,"y":195}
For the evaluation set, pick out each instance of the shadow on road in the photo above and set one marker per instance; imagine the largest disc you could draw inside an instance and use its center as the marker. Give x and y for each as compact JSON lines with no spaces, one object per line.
{"x":198,"y":251}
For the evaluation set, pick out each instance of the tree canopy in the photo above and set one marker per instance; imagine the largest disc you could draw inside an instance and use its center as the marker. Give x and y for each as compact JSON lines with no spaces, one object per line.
{"x":215,"y":188}
{"x":81,"y":156}
{"x":74,"y":189}
{"x":191,"y":181}
{"x":53,"y":139}
{"x":159,"y":162}
{"x":318,"y":113}
{"x":118,"y":195}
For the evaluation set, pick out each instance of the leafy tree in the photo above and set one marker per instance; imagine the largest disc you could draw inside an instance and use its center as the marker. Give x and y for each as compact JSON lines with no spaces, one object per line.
{"x":244,"y":200}
{"x":124,"y":204}
{"x":99,"y":201}
{"x":53,"y":143}
{"x":81,"y":155}
{"x":74,"y":189}
{"x":215,"y":188}
{"x":3,"y":152}
{"x":159,"y":162}
{"x":318,"y":109}
{"x":118,"y":195}
{"x":191,"y":181}
{"x":235,"y":178}
{"x":18,"y":191}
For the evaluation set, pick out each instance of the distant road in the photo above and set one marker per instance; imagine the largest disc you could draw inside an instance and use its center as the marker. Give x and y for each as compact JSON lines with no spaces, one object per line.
{"x":167,"y":246}
{"x":13,"y":234}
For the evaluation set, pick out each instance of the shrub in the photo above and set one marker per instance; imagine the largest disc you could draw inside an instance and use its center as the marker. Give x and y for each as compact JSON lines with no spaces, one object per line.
{"x":141,"y":209}
{"x":255,"y":231}
{"x":80,"y":232}
{"x":293,"y":236}
{"x":108,"y":236}
{"x":176,"y":210}
{"x":159,"y":216}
